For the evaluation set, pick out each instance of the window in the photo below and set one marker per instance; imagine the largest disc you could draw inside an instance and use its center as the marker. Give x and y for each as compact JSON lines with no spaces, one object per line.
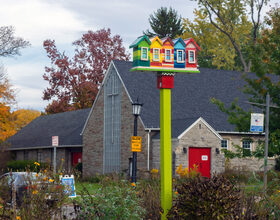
{"x":191,"y":56}
{"x":25,"y":155}
{"x":180,"y":56}
{"x":224,"y":144}
{"x":144,"y":53}
{"x":168,"y":55}
{"x":39,"y":156}
{"x":246,"y":145}
{"x":156,"y":54}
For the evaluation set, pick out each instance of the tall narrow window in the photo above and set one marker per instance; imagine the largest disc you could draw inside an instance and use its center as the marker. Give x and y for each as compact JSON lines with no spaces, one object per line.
{"x":224,"y":144}
{"x":191,"y":56}
{"x":25,"y":155}
{"x":39,"y":156}
{"x":144,"y":53}
{"x":168,"y":55}
{"x":247,"y":147}
{"x":112,"y":122}
{"x":156,"y":54}
{"x":180,"y":56}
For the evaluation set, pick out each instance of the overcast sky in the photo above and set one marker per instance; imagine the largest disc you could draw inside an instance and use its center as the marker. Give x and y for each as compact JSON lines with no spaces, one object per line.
{"x":65,"y":21}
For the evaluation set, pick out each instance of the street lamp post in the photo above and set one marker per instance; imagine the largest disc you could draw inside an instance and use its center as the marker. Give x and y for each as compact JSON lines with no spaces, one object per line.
{"x":136,"y":109}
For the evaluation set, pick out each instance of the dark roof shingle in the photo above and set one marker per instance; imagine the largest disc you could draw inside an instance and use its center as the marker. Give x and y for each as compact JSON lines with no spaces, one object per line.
{"x":39,"y":132}
{"x":190,"y":96}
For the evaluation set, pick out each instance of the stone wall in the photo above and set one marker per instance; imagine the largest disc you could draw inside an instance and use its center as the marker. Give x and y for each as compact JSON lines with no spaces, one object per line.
{"x":236,"y":139}
{"x":127,"y":129}
{"x":249,"y":164}
{"x":201,"y":136}
{"x":47,"y":156}
{"x":93,"y":139}
{"x":198,"y":136}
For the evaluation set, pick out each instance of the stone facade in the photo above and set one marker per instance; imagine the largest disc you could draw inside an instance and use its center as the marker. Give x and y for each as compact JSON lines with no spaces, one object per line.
{"x":249,"y":164}
{"x":198,"y":136}
{"x":93,"y":137}
{"x":45,"y":155}
{"x":236,"y":139}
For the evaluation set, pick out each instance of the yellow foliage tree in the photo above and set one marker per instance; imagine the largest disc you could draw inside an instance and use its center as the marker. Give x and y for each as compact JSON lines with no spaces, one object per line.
{"x":22,"y":117}
{"x":6,"y":99}
{"x":216,"y":48}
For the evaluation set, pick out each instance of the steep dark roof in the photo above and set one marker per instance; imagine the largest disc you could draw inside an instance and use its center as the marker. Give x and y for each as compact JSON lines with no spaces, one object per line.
{"x":38,"y":133}
{"x":190,"y":96}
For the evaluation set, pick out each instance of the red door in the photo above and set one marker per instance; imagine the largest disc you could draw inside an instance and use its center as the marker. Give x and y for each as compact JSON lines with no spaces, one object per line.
{"x":76,"y":158}
{"x":201,"y":158}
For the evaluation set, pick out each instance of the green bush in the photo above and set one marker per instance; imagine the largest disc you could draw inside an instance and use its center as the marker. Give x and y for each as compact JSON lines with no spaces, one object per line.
{"x":117,"y":201}
{"x":215,"y":198}
{"x":22,"y":165}
{"x":277,"y":164}
{"x":149,"y":192}
{"x":79,"y":167}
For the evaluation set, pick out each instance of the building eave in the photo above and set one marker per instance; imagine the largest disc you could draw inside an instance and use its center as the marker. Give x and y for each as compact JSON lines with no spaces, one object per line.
{"x":241,"y":133}
{"x":42,"y":147}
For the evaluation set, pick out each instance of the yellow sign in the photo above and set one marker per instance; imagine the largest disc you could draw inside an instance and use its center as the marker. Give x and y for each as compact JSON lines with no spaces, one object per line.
{"x":135,"y":143}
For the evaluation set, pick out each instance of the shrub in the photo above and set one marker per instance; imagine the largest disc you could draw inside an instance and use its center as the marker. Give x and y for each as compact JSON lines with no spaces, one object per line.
{"x":43,"y":197}
{"x":23,"y":165}
{"x":186,"y":173}
{"x":277,"y":164}
{"x":149,"y":192}
{"x":110,"y":202}
{"x":203,"y":198}
{"x":79,"y":167}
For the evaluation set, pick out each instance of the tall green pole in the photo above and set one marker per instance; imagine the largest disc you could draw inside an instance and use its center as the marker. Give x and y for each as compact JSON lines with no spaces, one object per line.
{"x":165,"y":151}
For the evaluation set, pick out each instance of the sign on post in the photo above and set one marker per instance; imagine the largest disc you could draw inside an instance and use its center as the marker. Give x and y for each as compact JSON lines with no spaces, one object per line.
{"x":256,"y":122}
{"x":68,"y":183}
{"x":136,"y":143}
{"x":55,"y":141}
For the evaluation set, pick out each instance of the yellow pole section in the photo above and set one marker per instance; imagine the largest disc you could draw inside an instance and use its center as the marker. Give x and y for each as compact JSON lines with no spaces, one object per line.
{"x":165,"y":151}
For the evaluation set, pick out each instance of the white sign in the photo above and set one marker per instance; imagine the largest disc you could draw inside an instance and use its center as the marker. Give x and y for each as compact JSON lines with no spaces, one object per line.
{"x":69,"y":185}
{"x":204,"y":157}
{"x":54,"y":140}
{"x":256,"y":122}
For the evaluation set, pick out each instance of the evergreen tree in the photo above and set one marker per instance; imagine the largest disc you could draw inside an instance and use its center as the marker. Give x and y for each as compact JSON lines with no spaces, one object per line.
{"x":165,"y":23}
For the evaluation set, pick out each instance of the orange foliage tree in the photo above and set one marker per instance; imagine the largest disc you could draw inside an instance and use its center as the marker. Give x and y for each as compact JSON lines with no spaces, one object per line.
{"x":6,"y":98}
{"x":22,"y":117}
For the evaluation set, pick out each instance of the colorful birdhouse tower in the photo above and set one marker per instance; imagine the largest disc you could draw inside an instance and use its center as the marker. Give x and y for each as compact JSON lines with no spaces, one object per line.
{"x":167,"y":58}
{"x":141,"y":51}
{"x":191,"y":53}
{"x":156,"y":45}
{"x":167,"y":52}
{"x":179,"y":53}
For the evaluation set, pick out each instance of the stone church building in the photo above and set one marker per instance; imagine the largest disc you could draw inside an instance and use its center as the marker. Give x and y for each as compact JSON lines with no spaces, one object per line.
{"x":101,"y":135}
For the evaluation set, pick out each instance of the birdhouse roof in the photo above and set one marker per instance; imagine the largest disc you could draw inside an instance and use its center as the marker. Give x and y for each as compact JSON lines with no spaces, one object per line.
{"x":190,"y":40}
{"x":156,"y":38}
{"x":138,"y":40}
{"x":175,"y":41}
{"x":167,"y":39}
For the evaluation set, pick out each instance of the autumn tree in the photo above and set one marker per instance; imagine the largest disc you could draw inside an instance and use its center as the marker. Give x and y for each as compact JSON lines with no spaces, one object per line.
{"x":217,"y":49}
{"x":74,"y":82}
{"x":165,"y":23}
{"x":7,"y":97}
{"x":228,"y":15}
{"x":23,"y":117}
{"x":10,"y":45}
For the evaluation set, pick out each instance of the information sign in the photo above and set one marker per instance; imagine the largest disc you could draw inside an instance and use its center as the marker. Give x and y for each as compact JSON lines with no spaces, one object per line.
{"x":256,"y":122}
{"x":54,"y":140}
{"x":68,"y":183}
{"x":136,"y":143}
